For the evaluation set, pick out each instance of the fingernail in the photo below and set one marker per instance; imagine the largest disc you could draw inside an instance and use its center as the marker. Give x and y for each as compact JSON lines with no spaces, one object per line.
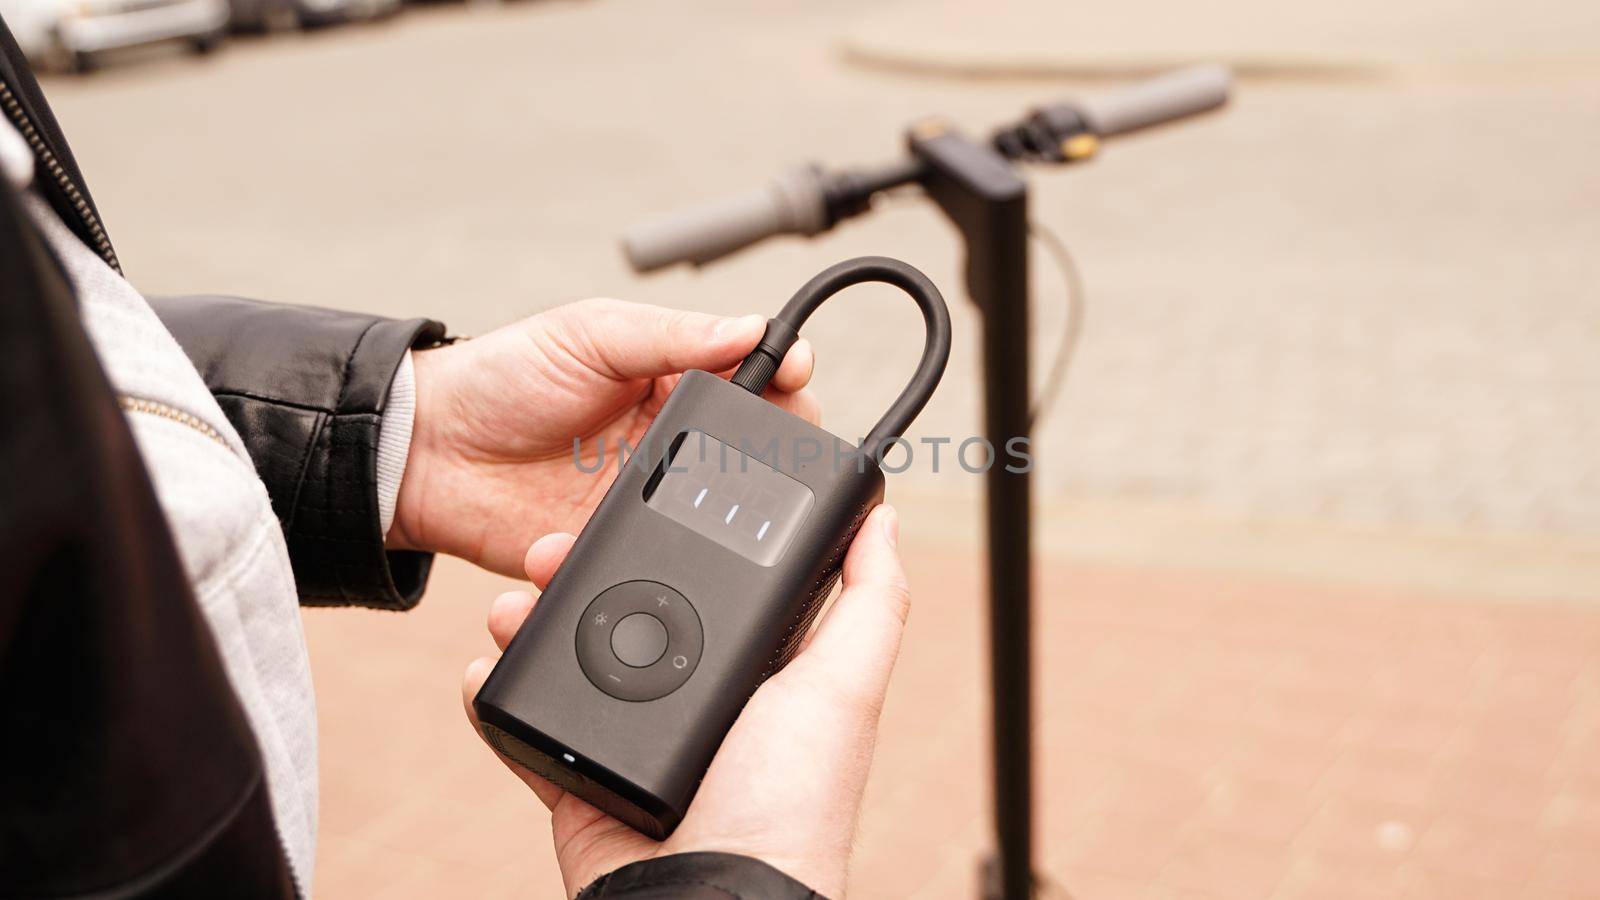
{"x":891,"y":525}
{"x":743,"y":325}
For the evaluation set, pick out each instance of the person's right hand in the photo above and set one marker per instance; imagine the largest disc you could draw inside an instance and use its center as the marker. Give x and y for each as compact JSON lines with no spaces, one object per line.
{"x":786,"y":785}
{"x":500,"y":419}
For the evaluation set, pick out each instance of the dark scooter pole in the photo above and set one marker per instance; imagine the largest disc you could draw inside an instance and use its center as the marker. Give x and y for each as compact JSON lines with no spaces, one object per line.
{"x":978,"y":188}
{"x":981,"y":193}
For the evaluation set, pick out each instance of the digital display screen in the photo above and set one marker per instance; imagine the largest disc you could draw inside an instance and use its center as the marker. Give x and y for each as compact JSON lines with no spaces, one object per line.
{"x":730,"y":497}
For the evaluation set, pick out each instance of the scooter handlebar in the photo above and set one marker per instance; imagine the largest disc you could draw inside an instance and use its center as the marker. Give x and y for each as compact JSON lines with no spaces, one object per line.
{"x":796,"y":202}
{"x":792,"y":203}
{"x":1164,"y":98}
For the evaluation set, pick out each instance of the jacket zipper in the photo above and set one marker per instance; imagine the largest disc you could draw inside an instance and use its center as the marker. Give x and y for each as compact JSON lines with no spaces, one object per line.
{"x":157,"y":408}
{"x":19,"y":118}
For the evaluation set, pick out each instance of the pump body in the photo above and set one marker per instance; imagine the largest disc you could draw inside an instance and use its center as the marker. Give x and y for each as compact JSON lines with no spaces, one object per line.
{"x":627,"y":712}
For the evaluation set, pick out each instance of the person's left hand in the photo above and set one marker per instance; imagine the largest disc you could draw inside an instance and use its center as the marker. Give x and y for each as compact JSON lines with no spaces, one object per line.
{"x":787,"y":781}
{"x":491,"y":465}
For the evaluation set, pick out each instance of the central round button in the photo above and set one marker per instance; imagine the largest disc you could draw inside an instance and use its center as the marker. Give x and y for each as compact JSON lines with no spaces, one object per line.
{"x":639,"y":640}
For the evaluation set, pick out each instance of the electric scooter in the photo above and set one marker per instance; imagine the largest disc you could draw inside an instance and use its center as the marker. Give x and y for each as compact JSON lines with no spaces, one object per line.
{"x":977,"y":185}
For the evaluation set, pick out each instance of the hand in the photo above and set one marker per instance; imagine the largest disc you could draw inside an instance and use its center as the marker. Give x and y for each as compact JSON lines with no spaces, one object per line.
{"x":785,"y":786}
{"x":491,"y":465}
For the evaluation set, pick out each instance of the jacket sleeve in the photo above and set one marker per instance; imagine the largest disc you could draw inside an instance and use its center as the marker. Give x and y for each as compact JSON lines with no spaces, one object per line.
{"x":698,"y":876}
{"x":305,"y":388}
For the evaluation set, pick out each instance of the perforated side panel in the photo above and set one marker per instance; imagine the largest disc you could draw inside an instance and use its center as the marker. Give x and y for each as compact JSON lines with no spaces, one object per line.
{"x":797,"y":629}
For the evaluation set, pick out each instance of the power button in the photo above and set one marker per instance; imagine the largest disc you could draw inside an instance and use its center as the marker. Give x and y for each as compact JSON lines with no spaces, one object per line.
{"x":639,"y":639}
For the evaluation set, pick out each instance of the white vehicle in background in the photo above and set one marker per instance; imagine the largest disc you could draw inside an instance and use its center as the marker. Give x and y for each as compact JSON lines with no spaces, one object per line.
{"x":71,"y":34}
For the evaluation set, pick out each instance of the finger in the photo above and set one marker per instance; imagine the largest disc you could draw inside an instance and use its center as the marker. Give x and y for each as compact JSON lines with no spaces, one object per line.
{"x":855,"y":646}
{"x":545,"y":556}
{"x":795,"y":371}
{"x":506,"y":614}
{"x":802,"y":403}
{"x":477,"y":671}
{"x":633,"y":340}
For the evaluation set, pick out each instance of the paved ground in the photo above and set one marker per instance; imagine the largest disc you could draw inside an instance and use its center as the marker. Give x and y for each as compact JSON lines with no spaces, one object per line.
{"x":1203,"y":736}
{"x":1320,"y":507}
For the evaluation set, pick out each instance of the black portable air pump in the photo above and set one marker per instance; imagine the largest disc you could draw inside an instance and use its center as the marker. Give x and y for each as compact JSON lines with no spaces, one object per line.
{"x":698,"y":575}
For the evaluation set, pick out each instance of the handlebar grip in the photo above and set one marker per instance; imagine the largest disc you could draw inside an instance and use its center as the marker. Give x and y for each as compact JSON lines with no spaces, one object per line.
{"x":792,"y":203}
{"x":1161,"y":99}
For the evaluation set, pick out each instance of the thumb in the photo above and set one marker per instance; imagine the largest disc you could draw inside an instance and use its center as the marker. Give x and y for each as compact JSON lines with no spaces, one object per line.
{"x":625,"y":341}
{"x":856,"y":645}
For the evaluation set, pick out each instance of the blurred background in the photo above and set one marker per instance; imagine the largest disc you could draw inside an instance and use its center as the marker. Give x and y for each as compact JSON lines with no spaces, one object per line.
{"x":1318,"y":507}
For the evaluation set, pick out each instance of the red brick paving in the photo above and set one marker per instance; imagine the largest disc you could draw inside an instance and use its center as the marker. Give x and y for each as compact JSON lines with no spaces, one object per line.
{"x":1202,"y":735}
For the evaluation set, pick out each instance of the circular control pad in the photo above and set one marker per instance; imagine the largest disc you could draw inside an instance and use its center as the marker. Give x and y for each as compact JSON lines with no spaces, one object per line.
{"x":639,"y":640}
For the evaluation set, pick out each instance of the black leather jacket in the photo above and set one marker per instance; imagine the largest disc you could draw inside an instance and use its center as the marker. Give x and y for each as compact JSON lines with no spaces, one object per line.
{"x":127,"y":766}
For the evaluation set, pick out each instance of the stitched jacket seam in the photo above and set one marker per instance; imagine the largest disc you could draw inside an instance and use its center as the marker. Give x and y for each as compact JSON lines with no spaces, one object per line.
{"x":349,"y":363}
{"x":264,"y":398}
{"x":303,"y":471}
